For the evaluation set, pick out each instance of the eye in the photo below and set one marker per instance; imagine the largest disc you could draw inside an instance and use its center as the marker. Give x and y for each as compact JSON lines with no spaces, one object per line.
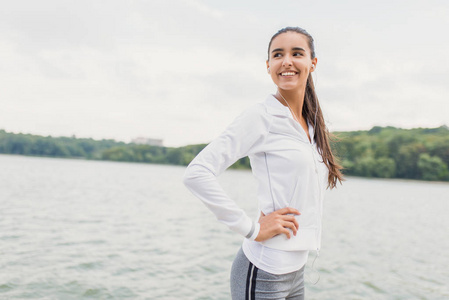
{"x":297,"y":54}
{"x":277,"y":55}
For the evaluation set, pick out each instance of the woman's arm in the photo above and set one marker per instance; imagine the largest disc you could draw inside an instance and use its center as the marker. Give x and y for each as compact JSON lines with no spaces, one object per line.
{"x":245,"y":135}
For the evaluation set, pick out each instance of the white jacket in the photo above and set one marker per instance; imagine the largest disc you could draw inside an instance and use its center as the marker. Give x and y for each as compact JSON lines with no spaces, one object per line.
{"x":287,"y":166}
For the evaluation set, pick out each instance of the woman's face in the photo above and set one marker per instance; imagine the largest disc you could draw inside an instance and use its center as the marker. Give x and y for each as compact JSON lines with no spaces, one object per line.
{"x":290,"y":61}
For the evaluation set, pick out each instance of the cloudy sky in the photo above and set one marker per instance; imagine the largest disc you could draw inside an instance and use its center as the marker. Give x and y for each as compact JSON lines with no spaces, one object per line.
{"x":181,"y":70}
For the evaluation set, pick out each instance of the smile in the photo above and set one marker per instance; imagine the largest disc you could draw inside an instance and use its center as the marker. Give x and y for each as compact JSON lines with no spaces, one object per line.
{"x":288,"y":73}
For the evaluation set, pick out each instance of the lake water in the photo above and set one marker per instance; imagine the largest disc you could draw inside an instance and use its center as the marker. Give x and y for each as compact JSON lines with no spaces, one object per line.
{"x":77,"y":229}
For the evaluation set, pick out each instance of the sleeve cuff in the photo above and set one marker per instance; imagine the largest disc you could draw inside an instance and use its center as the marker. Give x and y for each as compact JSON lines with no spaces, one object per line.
{"x":255,"y":228}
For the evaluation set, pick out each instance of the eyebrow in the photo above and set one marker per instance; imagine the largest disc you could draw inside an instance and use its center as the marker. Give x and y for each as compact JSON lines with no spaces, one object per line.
{"x":294,"y":49}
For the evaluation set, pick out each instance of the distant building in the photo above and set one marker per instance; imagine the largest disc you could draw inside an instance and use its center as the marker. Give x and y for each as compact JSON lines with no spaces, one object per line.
{"x":147,"y":141}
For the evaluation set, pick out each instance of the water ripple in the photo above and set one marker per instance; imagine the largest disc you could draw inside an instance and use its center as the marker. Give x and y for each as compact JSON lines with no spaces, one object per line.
{"x":72,"y":229}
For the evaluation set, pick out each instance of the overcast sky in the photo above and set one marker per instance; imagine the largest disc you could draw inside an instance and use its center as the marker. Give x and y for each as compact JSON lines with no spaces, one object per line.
{"x":182,"y":70}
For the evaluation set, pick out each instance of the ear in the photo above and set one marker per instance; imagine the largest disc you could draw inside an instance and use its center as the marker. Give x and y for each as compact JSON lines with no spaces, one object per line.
{"x":268,"y":67}
{"x":313,"y":67}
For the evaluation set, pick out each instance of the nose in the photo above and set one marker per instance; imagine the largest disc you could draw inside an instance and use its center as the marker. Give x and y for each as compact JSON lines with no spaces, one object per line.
{"x":287,"y":61}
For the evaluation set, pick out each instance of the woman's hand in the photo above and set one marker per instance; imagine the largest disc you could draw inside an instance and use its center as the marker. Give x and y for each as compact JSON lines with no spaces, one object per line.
{"x":277,"y":223}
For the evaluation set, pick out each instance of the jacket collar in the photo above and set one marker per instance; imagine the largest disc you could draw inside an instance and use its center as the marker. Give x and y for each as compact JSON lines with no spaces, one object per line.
{"x":276,"y":108}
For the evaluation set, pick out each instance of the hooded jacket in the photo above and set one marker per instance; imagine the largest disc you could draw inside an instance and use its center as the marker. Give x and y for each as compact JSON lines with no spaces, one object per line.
{"x":287,"y":166}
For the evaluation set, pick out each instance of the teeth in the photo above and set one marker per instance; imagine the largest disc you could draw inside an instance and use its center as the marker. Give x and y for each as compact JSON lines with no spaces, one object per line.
{"x":288,"y":74}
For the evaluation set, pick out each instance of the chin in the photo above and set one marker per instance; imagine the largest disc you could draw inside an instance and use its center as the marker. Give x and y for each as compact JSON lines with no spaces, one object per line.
{"x":286,"y":87}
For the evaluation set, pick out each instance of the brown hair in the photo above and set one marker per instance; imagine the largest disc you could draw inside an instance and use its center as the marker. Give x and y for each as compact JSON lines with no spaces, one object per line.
{"x":312,"y":112}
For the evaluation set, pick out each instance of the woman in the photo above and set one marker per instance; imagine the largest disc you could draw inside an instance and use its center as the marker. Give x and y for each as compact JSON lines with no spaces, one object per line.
{"x":288,"y":145}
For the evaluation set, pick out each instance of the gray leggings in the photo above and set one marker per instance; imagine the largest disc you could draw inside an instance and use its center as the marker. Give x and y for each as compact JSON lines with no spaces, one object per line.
{"x":250,"y":283}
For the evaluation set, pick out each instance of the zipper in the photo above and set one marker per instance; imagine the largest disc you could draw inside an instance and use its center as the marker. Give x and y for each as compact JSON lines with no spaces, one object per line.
{"x":317,"y":236}
{"x":318,"y":201}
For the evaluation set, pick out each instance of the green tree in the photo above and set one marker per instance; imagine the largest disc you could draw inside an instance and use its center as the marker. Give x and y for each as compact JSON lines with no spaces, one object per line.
{"x":385,"y":167}
{"x":175,"y":156}
{"x":365,"y":166}
{"x":432,"y":167}
{"x":406,"y":160}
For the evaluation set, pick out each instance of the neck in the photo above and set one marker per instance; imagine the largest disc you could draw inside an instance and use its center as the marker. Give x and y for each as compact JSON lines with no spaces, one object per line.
{"x":295,"y":100}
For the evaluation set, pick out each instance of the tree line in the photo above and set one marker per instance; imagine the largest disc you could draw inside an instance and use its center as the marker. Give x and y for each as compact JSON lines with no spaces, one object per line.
{"x":389,"y":152}
{"x":384,"y":152}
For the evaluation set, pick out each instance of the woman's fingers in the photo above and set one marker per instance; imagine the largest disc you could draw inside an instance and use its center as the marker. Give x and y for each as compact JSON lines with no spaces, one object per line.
{"x":287,"y":210}
{"x":278,"y":222}
{"x":292,"y":219}
{"x":286,"y":232}
{"x":290,"y":225}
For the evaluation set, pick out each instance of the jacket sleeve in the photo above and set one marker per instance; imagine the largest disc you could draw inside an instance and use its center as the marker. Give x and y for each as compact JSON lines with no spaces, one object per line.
{"x":241,"y":138}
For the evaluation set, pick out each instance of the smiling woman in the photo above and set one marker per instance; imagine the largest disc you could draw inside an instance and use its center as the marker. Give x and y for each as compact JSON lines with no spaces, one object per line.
{"x":290,"y":61}
{"x":287,"y":143}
